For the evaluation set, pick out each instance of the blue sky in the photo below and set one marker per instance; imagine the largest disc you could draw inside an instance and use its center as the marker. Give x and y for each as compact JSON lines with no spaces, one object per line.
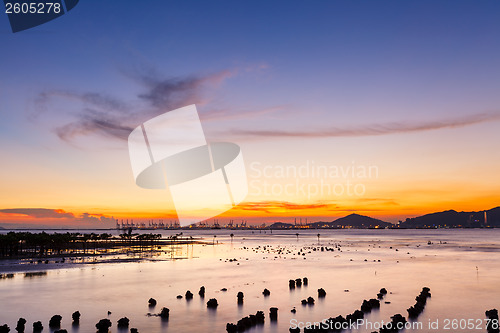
{"x":425,"y":75}
{"x":403,"y":59}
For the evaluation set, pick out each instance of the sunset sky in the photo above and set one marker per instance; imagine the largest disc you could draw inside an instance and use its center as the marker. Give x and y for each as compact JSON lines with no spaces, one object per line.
{"x":407,"y":89}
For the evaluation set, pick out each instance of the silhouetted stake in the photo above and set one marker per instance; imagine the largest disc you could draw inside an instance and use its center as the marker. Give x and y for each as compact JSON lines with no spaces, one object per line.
{"x":20,"y":325}
{"x":273,"y":314}
{"x":492,"y":326}
{"x":165,"y":313}
{"x":76,"y":317}
{"x":55,"y":321}
{"x":123,"y":322}
{"x":37,"y":326}
{"x":240,"y":297}
{"x":103,"y":325}
{"x":212,"y":303}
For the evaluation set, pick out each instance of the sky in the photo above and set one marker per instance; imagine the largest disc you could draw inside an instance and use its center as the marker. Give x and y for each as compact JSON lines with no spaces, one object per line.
{"x":383,"y":108}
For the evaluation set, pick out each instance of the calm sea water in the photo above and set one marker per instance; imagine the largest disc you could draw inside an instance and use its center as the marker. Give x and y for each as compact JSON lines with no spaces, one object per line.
{"x":462,"y":268}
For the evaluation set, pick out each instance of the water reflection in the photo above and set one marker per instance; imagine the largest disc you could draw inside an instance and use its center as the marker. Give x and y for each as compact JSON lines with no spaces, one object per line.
{"x":460,"y":266}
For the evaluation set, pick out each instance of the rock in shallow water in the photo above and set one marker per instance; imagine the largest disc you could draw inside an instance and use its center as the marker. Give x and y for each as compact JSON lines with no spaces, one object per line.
{"x":212,"y":303}
{"x":103,"y":325}
{"x":55,"y":321}
{"x":165,"y":313}
{"x":37,"y":326}
{"x":20,"y":325}
{"x":123,"y":322}
{"x":76,"y":317}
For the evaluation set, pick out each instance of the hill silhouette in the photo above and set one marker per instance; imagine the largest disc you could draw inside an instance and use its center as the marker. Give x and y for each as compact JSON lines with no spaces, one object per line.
{"x":444,"y":219}
{"x":349,"y":221}
{"x":454,"y":219}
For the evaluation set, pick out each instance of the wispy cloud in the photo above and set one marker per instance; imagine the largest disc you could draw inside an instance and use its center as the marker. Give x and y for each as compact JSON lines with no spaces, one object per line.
{"x":281,"y":206}
{"x":370,"y":130}
{"x":38,"y":213}
{"x":171,"y":93}
{"x":327,"y":208}
{"x":377,"y":201}
{"x":231,"y":114}
{"x":98,"y":100}
{"x":53,"y":217}
{"x":94,"y":123}
{"x":106,"y":115}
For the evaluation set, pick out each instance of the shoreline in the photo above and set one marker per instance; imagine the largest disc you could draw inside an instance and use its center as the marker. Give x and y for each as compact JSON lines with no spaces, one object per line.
{"x":23,"y":268}
{"x":28,"y":252}
{"x":349,"y":269}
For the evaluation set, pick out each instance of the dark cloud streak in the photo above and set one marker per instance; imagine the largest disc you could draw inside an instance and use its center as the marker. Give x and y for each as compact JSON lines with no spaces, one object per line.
{"x":63,"y":218}
{"x":38,"y":212}
{"x":270,"y":206}
{"x":100,"y":124}
{"x":174,"y":92}
{"x":105,"y":115}
{"x":371,"y":130}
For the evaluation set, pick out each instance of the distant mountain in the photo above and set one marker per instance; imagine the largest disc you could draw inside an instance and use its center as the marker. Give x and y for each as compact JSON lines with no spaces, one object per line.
{"x":349,"y":221}
{"x":493,"y":217}
{"x":454,"y":219}
{"x":353,"y":221}
{"x":446,"y":219}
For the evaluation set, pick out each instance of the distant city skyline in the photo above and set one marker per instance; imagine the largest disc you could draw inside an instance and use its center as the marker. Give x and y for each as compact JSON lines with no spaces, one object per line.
{"x":408,"y":88}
